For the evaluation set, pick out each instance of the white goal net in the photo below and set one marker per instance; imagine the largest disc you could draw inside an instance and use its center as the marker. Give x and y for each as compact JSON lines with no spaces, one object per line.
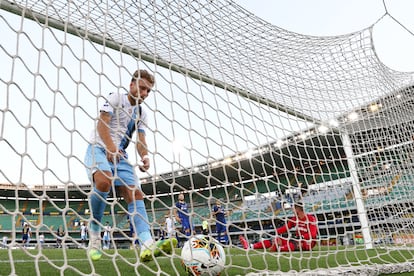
{"x":245,"y":112}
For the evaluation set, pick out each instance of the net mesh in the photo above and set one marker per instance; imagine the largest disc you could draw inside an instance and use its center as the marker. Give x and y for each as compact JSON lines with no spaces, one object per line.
{"x":232,"y":46}
{"x":244,"y":111}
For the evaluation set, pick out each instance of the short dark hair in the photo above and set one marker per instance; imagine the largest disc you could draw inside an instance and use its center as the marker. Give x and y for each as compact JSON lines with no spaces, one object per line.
{"x":143,"y":74}
{"x":298,"y":205}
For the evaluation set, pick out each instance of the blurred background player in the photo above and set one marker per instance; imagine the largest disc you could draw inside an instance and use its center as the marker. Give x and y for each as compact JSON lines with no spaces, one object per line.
{"x":306,"y":233}
{"x":107,"y":236}
{"x":41,"y":240}
{"x":83,"y":233}
{"x":169,"y":226}
{"x":182,"y":216}
{"x":60,"y":233}
{"x":4,"y":242}
{"x":120,"y":117}
{"x":25,"y":234}
{"x":221,"y":228}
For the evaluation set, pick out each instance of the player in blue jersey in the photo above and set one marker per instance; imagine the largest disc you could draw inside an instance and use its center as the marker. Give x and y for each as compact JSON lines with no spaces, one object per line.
{"x":25,"y":234}
{"x":182,"y":215}
{"x":221,"y":228}
{"x":107,"y":163}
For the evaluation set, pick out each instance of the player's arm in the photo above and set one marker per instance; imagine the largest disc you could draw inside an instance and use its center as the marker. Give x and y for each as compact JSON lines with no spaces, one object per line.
{"x":313,"y":228}
{"x":215,"y":210}
{"x":283,"y":229}
{"x":143,"y":151}
{"x":105,"y":133}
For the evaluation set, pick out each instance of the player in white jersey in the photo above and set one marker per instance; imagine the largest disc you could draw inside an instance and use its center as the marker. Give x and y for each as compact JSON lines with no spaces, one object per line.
{"x":83,"y":233}
{"x":107,"y":236}
{"x":107,"y":163}
{"x":169,"y":226}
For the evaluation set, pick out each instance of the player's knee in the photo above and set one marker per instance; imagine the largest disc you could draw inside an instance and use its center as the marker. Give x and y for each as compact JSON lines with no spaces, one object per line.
{"x":138,"y":195}
{"x":131,"y":195}
{"x":102,"y":181}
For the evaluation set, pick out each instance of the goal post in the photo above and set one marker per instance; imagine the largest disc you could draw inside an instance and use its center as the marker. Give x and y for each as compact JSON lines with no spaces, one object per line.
{"x":356,"y":189}
{"x":243,"y":112}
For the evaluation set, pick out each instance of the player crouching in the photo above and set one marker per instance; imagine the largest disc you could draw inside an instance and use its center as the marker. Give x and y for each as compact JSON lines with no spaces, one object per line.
{"x":306,"y":233}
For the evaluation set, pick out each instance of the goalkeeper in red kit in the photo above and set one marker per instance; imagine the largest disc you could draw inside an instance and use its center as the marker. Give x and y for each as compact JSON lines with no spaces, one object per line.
{"x":306,"y":233}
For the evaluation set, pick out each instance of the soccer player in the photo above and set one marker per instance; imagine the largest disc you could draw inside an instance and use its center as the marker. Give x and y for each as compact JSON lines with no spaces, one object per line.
{"x":83,"y":233}
{"x":60,"y":233}
{"x":29,"y":235}
{"x":182,"y":216}
{"x":41,"y":240}
{"x":107,"y":236}
{"x":169,"y":226}
{"x":25,"y":234}
{"x":107,"y":162}
{"x":4,"y":242}
{"x":221,"y":227}
{"x":306,"y":233}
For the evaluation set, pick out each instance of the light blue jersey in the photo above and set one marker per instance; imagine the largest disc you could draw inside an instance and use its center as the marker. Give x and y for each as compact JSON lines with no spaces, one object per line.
{"x":125,"y":119}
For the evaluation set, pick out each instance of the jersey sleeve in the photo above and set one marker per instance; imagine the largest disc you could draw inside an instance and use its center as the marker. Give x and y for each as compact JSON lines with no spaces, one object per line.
{"x":112,"y":100}
{"x":283,"y":229}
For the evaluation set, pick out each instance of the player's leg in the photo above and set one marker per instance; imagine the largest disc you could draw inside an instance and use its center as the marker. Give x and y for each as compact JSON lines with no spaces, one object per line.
{"x":100,"y":172}
{"x":262,"y":244}
{"x":97,"y":203}
{"x":139,"y":217}
{"x":84,"y":241}
{"x":224,"y":230}
{"x":257,"y":245}
{"x":284,"y":245}
{"x":130,"y":189}
{"x":226,"y":237}
{"x":221,"y":232}
{"x":218,"y":232}
{"x":244,"y":242}
{"x":187,"y":227}
{"x":107,"y":243}
{"x":24,"y":240}
{"x":178,"y":237}
{"x":97,"y":200}
{"x":188,"y":230}
{"x":185,"y":232}
{"x":137,"y":213}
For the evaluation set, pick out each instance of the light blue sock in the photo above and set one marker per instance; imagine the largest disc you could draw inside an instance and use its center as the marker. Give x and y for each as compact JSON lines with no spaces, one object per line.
{"x":97,"y":204}
{"x":139,"y":216}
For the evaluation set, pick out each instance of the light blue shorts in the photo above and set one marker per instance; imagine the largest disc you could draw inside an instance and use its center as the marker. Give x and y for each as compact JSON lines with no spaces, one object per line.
{"x":95,"y":160}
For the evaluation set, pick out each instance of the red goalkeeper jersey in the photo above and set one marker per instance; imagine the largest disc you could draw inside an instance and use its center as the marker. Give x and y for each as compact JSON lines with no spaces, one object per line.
{"x":306,"y":229}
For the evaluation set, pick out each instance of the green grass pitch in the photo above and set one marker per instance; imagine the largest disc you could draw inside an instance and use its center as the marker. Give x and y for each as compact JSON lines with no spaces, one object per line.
{"x":238,"y":262}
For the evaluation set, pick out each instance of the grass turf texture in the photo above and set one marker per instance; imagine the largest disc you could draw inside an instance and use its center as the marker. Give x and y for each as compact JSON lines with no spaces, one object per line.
{"x":239,"y":262}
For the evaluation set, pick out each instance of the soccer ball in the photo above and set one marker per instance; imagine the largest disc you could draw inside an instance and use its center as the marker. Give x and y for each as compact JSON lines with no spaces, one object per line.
{"x":95,"y":254}
{"x":203,"y":255}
